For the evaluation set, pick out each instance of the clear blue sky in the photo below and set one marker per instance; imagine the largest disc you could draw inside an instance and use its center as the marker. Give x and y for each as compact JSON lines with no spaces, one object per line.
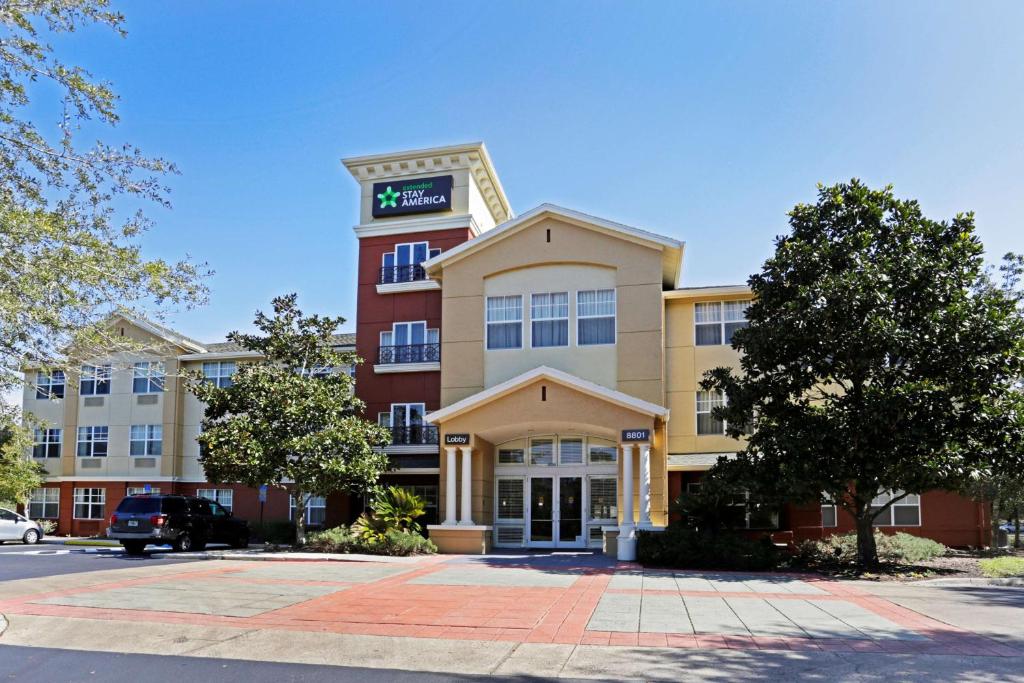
{"x":731,"y":111}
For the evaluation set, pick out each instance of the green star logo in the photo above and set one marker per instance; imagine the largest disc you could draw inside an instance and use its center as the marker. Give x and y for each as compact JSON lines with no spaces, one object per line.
{"x":387,"y":198}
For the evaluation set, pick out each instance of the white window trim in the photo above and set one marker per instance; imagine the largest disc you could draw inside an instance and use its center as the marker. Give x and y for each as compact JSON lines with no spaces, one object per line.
{"x":614,"y":316}
{"x":488,"y":323}
{"x":75,"y":502}
{"x":510,"y":521}
{"x":721,"y":319}
{"x":141,"y":490}
{"x":155,"y":376}
{"x":699,"y":412}
{"x":44,"y":502}
{"x":96,"y":374}
{"x":46,"y":433}
{"x":892,"y":512}
{"x":215,"y":496}
{"x":309,"y":507}
{"x":91,"y":441}
{"x":46,"y":380}
{"x":412,"y":250}
{"x":147,"y":440}
{"x":219,"y":376}
{"x":590,"y":508}
{"x":569,"y":341}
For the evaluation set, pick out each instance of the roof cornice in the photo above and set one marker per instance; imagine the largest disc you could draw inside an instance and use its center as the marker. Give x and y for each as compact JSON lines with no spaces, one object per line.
{"x":712,"y":290}
{"x":422,"y":224}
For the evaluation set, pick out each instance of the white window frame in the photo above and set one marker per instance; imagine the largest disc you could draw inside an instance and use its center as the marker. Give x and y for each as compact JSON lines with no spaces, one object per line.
{"x":885,"y":496}
{"x":312,"y":503}
{"x":224,"y":497}
{"x":91,"y":499}
{"x":48,"y":439}
{"x":141,"y":490}
{"x":590,"y":458}
{"x":590,"y":493}
{"x":412,"y":251}
{"x":152,"y":373}
{"x":828,"y":503}
{"x":713,"y":405}
{"x":614,"y":316}
{"x":47,"y":383}
{"x":551,"y":306}
{"x":45,"y":498}
{"x":219,"y":373}
{"x":151,"y":434}
{"x":721,"y":323}
{"x":91,"y":436}
{"x":505,"y":308}
{"x":95,"y":376}
{"x":511,"y":521}
{"x":431,"y":335}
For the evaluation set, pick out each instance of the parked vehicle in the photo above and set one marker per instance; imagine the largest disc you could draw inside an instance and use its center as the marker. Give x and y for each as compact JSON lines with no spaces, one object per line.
{"x":185,"y":522}
{"x":15,"y":527}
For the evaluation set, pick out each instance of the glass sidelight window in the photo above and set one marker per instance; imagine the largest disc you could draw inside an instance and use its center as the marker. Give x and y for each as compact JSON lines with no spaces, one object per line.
{"x":510,"y":499}
{"x":603,"y":498}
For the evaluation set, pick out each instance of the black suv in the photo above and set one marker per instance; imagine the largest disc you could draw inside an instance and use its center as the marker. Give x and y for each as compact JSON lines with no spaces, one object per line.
{"x":185,"y":522}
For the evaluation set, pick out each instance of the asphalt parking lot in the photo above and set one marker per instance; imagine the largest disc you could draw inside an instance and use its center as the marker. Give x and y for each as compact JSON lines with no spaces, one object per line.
{"x":51,"y":558}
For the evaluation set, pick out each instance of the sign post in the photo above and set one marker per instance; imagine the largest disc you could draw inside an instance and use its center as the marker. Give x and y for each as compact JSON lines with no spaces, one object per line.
{"x":263,"y":499}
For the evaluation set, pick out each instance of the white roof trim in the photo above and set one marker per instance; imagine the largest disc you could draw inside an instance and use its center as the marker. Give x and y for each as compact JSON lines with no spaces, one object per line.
{"x":162,"y":332}
{"x":530,"y":216}
{"x":221,"y":355}
{"x":544,"y":372}
{"x":710,"y":290}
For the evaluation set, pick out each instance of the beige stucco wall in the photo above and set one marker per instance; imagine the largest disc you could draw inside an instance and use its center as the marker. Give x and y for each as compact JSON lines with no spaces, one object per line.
{"x":637,"y":268}
{"x":685,"y":365}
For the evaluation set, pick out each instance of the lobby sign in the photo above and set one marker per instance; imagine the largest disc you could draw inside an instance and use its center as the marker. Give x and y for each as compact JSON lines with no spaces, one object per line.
{"x":419,"y":195}
{"x":636,"y":435}
{"x":456,"y":439}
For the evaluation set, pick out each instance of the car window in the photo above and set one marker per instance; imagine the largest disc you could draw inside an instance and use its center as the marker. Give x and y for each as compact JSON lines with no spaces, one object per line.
{"x":139,"y":504}
{"x":200,"y":506}
{"x":9,"y":516}
{"x":218,"y":511}
{"x":173,"y":506}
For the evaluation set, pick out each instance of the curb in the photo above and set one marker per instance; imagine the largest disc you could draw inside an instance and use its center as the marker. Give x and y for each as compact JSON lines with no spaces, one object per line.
{"x":3,"y":624}
{"x":1006,"y":582}
{"x":305,"y":557}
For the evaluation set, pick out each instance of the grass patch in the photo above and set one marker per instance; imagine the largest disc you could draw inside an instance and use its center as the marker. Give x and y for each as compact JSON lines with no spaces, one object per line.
{"x":93,"y":542}
{"x":1002,"y":567}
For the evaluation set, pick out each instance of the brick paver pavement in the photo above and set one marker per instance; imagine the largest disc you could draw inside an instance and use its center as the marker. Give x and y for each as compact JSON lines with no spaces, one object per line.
{"x":530,"y":600}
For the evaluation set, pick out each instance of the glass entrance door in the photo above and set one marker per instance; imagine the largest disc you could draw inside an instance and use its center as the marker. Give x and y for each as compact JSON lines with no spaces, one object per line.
{"x":542,"y":517}
{"x":570,"y":512}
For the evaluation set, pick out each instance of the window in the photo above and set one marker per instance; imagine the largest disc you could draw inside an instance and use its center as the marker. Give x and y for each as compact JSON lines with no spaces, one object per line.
{"x":542,"y":452}
{"x":403,"y":264}
{"x":716,"y":321}
{"x":95,"y":380}
{"x":141,"y":490}
{"x":510,"y":499}
{"x":549,"y":319}
{"x":147,"y":440}
{"x":905,"y":512}
{"x":89,"y":503}
{"x":428,"y":494}
{"x":570,"y":451}
{"x":602,"y":454}
{"x":148,"y":378}
{"x":50,"y":385}
{"x":706,"y":422}
{"x":225,"y":497}
{"x":92,"y":442}
{"x":410,"y":342}
{"x":505,"y":322}
{"x":219,"y":373}
{"x":46,"y":443}
{"x":595,"y":317}
{"x":44,"y":504}
{"x":510,"y":456}
{"x":316,"y":510}
{"x":828,"y":512}
{"x":603,"y":503}
{"x":408,"y":426}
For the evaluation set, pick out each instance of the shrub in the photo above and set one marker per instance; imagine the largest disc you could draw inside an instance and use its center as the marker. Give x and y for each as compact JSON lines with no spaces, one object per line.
{"x":404,"y":543}
{"x":392,"y":509}
{"x":393,"y":542}
{"x":278,"y":532}
{"x":681,"y":548}
{"x":1002,"y":567}
{"x":47,"y":525}
{"x":841,"y":549}
{"x":338,"y":539}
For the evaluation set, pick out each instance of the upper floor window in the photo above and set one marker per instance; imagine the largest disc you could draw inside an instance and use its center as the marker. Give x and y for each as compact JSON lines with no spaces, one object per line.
{"x":148,"y":378}
{"x":716,"y":321}
{"x":595,"y":317}
{"x":46,"y":443}
{"x":904,"y":512}
{"x":95,"y":380}
{"x":549,"y":319}
{"x":707,"y":401}
{"x":219,"y":373}
{"x":403,"y":264}
{"x":50,"y":384}
{"x":92,"y":442}
{"x":505,"y":322}
{"x":147,"y":440}
{"x":409,"y":342}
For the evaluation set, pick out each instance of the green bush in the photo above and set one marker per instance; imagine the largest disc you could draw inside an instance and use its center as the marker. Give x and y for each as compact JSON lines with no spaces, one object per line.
{"x":343,"y":539}
{"x":338,"y":539}
{"x":47,"y":525}
{"x":681,"y":548}
{"x":1002,"y":567}
{"x":279,"y":532}
{"x":404,"y":543}
{"x":841,"y":549}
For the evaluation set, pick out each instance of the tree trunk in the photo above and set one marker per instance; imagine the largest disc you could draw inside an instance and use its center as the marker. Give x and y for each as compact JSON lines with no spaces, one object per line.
{"x":1016,"y":530}
{"x":867,"y":552}
{"x":300,"y":518}
{"x":995,"y":525}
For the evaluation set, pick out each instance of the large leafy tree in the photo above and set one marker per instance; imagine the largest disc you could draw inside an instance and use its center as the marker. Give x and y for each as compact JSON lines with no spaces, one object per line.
{"x":72,"y":208}
{"x":18,"y":475}
{"x":291,"y":418}
{"x":876,"y":358}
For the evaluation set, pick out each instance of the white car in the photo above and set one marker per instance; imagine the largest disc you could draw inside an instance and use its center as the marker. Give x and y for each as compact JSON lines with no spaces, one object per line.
{"x":14,"y":527}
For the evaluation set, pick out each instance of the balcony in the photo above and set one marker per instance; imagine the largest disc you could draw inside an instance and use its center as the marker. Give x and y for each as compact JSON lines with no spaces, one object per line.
{"x":408,"y":358}
{"x":407,"y":278}
{"x":414,"y":435}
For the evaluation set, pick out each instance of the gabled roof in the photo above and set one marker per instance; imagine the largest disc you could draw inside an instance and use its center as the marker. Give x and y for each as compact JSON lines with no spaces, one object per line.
{"x":551,"y":374}
{"x":162,"y":332}
{"x":543,"y":211}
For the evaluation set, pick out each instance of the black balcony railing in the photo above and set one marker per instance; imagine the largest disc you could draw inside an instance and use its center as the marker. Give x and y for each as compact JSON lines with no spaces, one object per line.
{"x":414,"y":435}
{"x":410,"y":353}
{"x":408,"y":273}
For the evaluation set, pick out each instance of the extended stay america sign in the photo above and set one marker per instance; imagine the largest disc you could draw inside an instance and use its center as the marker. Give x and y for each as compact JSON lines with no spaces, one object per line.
{"x":420,"y":195}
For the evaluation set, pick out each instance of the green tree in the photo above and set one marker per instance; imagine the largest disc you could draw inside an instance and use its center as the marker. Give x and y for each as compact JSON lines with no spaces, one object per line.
{"x":18,"y":475}
{"x":72,"y":210}
{"x":876,"y":358}
{"x":291,"y":418}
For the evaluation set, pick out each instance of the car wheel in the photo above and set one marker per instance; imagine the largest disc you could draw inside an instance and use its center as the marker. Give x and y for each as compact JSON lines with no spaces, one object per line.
{"x":199,"y":544}
{"x":31,"y":537}
{"x":184,"y":543}
{"x":241,"y":542}
{"x":134,"y":547}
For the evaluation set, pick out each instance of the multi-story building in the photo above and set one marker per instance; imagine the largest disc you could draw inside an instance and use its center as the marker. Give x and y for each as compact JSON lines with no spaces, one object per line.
{"x":539,"y":374}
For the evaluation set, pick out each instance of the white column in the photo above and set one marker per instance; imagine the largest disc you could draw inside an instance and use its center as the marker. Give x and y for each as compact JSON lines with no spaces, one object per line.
{"x":645,"y":487}
{"x":449,"y":496}
{"x":627,"y":537}
{"x":467,"y":486}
